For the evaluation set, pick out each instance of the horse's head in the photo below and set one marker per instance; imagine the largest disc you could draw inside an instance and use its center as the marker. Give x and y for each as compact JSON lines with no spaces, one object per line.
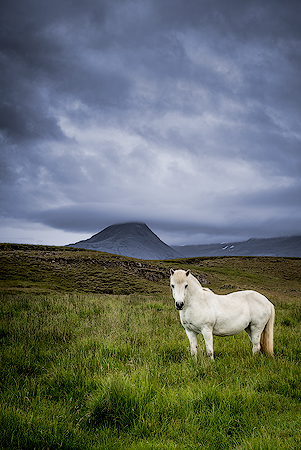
{"x":179,"y":285}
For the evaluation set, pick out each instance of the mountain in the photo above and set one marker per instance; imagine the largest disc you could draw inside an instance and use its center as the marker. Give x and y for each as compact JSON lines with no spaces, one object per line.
{"x":135,"y":240}
{"x":281,"y":247}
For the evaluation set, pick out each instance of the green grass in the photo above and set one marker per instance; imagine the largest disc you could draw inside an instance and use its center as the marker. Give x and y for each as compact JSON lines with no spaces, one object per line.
{"x":87,"y":370}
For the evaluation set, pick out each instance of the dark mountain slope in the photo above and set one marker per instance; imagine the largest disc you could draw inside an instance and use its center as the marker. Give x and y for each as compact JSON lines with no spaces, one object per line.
{"x":135,"y":240}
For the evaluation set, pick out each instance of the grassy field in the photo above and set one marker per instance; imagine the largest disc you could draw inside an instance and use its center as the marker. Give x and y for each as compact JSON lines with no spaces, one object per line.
{"x":93,"y":356}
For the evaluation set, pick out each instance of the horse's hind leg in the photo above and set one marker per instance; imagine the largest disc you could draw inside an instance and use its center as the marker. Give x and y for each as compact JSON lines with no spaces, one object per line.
{"x":254,"y":335}
{"x":192,"y":336}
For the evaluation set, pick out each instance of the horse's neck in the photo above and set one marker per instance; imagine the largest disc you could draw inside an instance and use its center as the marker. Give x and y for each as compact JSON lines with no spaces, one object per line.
{"x":195,"y":287}
{"x":194,"y":282}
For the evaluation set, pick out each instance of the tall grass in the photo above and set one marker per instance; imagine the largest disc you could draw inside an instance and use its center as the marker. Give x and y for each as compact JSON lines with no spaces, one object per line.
{"x":93,"y":371}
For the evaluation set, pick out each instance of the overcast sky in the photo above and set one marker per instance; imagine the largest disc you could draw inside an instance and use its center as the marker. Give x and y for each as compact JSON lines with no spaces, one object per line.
{"x":183,"y":114}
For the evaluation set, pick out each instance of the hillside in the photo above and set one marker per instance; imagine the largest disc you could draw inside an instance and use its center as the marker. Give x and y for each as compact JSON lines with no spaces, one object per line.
{"x":134,"y":240}
{"x":36,"y":268}
{"x":46,"y":268}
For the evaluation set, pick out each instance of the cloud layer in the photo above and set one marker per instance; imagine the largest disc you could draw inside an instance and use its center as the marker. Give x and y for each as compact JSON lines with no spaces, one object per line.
{"x":181,"y":114}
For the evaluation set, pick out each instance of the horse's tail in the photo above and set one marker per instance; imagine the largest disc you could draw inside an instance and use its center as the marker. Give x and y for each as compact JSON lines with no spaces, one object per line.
{"x":266,"y":339}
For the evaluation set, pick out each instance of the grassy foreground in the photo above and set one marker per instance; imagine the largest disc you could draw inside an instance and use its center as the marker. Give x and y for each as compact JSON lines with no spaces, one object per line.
{"x":85,"y":370}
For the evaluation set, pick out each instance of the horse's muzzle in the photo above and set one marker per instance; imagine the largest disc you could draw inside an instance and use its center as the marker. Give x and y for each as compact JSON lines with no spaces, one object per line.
{"x":179,"y":305}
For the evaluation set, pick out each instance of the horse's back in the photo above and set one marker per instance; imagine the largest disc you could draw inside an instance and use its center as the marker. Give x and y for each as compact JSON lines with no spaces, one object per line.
{"x":257,"y":304}
{"x":247,"y":295}
{"x":232,"y":313}
{"x":236,"y":311}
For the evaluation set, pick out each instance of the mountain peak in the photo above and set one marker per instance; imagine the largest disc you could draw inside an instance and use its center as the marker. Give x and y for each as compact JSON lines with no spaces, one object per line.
{"x":133,"y":239}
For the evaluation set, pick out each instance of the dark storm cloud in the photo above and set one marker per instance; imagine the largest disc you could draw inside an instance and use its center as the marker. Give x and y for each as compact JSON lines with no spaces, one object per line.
{"x":182,"y":114}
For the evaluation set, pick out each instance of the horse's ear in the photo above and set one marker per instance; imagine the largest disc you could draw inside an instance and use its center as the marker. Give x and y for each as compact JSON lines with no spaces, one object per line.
{"x":187,"y":273}
{"x":172,"y":271}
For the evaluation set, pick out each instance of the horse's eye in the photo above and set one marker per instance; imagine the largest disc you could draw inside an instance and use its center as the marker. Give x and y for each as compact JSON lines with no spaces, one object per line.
{"x":172,"y":286}
{"x":186,"y":286}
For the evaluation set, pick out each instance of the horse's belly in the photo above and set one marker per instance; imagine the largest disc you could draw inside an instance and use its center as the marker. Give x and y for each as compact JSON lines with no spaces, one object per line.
{"x":229,"y":328}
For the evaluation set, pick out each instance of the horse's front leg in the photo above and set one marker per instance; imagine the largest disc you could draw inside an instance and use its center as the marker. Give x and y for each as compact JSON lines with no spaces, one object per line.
{"x":192,"y":336}
{"x":208,"y":338}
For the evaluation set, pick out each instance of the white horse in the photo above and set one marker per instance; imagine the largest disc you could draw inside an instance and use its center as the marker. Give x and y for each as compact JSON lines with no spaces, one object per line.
{"x":202,"y":311}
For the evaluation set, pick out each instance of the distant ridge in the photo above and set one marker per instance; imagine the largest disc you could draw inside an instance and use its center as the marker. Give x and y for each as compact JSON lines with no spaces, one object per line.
{"x":133,"y":239}
{"x":281,"y":247}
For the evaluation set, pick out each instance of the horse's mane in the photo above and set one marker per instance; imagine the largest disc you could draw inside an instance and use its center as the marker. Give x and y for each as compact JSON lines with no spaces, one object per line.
{"x":199,"y":283}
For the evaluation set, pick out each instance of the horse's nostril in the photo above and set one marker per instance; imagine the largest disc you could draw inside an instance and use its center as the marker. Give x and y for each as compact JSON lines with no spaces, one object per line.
{"x":179,"y":305}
